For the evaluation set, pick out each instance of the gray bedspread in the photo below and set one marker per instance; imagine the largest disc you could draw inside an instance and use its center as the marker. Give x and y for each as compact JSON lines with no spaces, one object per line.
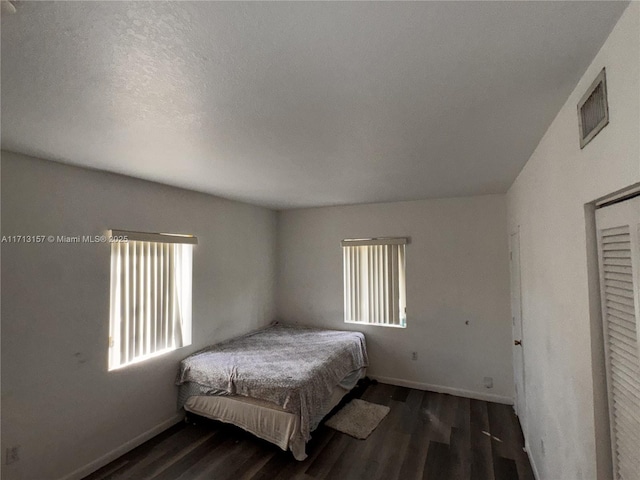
{"x":293,"y":367}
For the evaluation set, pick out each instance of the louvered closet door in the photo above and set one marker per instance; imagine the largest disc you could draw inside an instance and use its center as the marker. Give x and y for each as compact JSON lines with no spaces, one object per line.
{"x":619,"y":252}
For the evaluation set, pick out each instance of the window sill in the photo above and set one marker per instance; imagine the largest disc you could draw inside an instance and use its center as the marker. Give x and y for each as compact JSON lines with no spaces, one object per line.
{"x":375,"y":324}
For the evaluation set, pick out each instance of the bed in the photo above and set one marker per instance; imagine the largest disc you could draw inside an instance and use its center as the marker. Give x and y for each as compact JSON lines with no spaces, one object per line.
{"x":277,"y":383}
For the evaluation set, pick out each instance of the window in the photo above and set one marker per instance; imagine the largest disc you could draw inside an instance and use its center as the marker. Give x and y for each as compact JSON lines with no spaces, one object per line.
{"x":150,"y":295}
{"x":374,"y":281}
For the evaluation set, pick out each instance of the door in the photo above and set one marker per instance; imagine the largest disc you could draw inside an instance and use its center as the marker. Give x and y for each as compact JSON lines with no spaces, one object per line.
{"x":618,"y":227}
{"x":516,"y":320}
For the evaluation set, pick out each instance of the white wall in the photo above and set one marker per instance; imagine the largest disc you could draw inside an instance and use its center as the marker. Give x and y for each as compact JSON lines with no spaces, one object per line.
{"x":548,"y":202}
{"x":59,"y":403}
{"x":457,"y":271}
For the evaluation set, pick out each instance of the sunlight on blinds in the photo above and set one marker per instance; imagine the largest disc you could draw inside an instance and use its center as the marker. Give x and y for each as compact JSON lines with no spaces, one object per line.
{"x":150,"y":300}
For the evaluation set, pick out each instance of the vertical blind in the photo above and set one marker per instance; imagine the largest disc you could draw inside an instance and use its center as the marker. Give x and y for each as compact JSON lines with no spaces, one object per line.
{"x":150,"y":298}
{"x":374,"y":281}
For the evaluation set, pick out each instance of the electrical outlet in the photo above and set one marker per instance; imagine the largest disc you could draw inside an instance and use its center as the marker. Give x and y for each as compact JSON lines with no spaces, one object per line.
{"x":414,"y":355}
{"x":488,"y":382}
{"x":12,"y":455}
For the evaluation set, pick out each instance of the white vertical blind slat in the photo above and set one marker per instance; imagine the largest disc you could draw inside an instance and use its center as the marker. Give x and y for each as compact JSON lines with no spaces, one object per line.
{"x":351,"y":262}
{"x":392,"y":282}
{"x":174,"y":327}
{"x":375,"y":284}
{"x":134,"y":303}
{"x":114,"y":330}
{"x":402,"y":286}
{"x":140,"y":299}
{"x":360,"y":295}
{"x":160,"y":291}
{"x":354,"y":276}
{"x":147,"y":297}
{"x":370,"y":311}
{"x":346,"y":259}
{"x":153,"y":324}
{"x":381,"y":285}
{"x":396,"y":286}
{"x":385,"y":280}
{"x":128,"y":289}
{"x":166,"y":294}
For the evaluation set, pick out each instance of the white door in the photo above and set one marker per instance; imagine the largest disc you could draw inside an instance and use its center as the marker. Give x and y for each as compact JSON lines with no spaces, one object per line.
{"x":618,"y":228}
{"x":516,"y":320}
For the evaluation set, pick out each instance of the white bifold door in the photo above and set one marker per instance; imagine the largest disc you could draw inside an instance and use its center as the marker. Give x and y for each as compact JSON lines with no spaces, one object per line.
{"x":618,"y":228}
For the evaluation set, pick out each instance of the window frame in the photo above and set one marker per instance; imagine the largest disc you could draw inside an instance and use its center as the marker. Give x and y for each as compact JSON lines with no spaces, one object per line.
{"x":151,"y":292}
{"x":381,"y":275}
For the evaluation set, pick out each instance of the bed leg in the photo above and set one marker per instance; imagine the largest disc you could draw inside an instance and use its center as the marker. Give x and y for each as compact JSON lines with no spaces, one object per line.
{"x":190,"y":419}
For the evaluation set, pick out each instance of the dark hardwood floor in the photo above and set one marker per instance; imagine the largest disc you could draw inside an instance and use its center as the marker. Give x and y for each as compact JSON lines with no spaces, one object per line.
{"x":426,"y":435}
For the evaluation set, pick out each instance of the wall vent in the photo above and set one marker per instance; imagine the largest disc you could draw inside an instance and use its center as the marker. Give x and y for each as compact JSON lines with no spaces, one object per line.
{"x":593,"y":110}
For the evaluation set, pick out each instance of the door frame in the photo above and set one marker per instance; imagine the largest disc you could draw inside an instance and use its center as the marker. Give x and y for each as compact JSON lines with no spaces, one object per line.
{"x":614,"y":213}
{"x":515,"y":275}
{"x":603,"y":439}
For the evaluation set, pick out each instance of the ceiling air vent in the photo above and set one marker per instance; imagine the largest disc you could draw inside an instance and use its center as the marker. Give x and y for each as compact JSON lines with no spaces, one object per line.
{"x":593,"y":110}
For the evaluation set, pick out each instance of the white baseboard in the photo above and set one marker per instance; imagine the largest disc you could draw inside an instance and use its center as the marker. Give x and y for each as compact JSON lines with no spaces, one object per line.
{"x":533,"y":464}
{"x":122,"y":449}
{"x":489,"y":397}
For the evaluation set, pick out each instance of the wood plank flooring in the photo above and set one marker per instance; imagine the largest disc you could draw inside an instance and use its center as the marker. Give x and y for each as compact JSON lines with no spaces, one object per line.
{"x":425,"y":436}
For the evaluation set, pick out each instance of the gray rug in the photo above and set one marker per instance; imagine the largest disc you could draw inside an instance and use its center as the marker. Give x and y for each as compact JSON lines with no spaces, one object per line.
{"x":358,"y":418}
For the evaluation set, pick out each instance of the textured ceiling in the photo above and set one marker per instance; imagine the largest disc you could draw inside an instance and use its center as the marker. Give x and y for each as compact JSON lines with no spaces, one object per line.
{"x":296,"y":104}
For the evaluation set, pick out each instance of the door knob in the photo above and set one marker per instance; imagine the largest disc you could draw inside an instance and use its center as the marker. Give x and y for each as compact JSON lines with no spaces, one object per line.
{"x":517,"y":342}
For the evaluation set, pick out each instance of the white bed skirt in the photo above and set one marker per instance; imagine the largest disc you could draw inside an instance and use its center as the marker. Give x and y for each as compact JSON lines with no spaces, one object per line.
{"x":267,"y":420}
